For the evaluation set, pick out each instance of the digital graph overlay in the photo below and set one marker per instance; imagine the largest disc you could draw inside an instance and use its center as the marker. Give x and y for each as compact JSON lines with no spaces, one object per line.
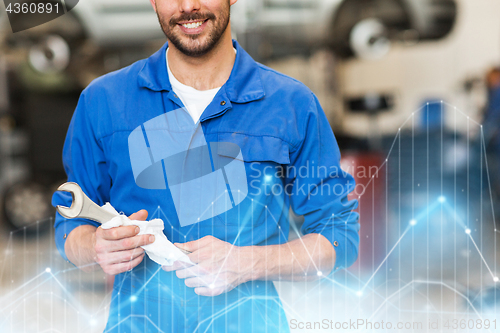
{"x":436,"y":260}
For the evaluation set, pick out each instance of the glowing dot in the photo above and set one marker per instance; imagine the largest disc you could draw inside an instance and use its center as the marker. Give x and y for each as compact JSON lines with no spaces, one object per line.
{"x":359,"y":293}
{"x":212,"y":286}
{"x":320,"y":273}
{"x":467,"y":231}
{"x":441,"y":199}
{"x":133,"y":298}
{"x":93,"y":322}
{"x":413,"y":222}
{"x":268,"y":178}
{"x":496,"y":279}
{"x":48,"y":270}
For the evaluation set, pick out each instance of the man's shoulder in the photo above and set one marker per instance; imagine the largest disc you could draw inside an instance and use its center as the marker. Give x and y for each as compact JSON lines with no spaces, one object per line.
{"x":120,"y":80}
{"x":275,"y":81}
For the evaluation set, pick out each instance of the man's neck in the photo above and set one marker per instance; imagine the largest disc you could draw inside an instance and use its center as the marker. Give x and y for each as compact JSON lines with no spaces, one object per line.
{"x":206,"y":72}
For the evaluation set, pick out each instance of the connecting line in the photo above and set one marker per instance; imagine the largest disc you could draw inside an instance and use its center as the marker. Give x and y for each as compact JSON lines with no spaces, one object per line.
{"x":483,"y":144}
{"x":29,"y":291}
{"x":236,"y":304}
{"x":420,"y":216}
{"x":31,"y":225}
{"x":455,"y":216}
{"x":136,"y":316}
{"x":24,"y":284}
{"x":77,"y":268}
{"x":492,"y":275}
{"x":239,"y":232}
{"x":14,"y":307}
{"x":427,"y":282}
{"x":387,"y":256}
{"x":300,"y":239}
{"x":462,"y":113}
{"x":429,"y":210}
{"x":68,"y":293}
{"x":377,"y":294}
{"x":455,"y":291}
{"x":147,"y":282}
{"x":206,"y":209}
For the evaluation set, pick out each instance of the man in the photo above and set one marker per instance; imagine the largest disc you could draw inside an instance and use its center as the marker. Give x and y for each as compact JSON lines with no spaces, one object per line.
{"x":291,"y":159}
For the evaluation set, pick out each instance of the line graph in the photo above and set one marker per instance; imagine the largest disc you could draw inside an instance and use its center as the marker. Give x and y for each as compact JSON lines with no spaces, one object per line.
{"x":432,"y":223}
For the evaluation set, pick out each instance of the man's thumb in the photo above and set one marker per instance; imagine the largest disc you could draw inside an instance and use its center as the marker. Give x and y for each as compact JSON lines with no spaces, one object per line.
{"x":141,"y":215}
{"x":186,"y":246}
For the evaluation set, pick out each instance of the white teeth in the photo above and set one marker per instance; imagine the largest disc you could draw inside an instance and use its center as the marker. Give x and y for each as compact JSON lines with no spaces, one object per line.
{"x":192,"y":25}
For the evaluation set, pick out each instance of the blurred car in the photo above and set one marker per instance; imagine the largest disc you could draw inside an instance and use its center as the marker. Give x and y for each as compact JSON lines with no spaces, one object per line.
{"x":266,"y":28}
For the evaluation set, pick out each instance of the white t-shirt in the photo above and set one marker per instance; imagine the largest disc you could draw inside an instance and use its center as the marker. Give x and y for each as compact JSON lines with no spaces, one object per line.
{"x":195,"y":101}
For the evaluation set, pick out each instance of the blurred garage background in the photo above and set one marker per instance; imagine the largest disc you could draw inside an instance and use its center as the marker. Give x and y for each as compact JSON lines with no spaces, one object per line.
{"x":411,"y":89}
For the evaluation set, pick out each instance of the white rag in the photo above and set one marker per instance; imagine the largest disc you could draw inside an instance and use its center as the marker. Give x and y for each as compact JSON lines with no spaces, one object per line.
{"x":161,"y":251}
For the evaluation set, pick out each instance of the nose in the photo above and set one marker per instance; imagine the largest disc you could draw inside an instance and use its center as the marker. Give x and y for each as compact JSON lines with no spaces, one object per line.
{"x":188,"y":6}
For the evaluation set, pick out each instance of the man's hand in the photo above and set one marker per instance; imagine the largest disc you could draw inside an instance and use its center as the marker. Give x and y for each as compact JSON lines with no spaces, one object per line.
{"x":219,"y":268}
{"x":118,"y":249}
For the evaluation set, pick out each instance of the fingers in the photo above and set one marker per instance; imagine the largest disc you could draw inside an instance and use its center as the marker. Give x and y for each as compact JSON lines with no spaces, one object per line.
{"x":124,"y":231}
{"x":119,"y":257}
{"x":117,"y":233}
{"x":191,"y":271}
{"x":211,"y":292}
{"x":197,"y":244}
{"x":123,"y":267}
{"x":141,"y":215}
{"x":176,"y":265}
{"x":204,"y":281}
{"x":127,"y":243}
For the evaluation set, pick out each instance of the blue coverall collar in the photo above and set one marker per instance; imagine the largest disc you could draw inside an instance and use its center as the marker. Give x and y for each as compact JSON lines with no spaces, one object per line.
{"x":244,"y":84}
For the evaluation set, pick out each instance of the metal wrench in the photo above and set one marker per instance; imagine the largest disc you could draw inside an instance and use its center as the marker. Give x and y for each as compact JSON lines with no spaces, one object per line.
{"x":83,"y":207}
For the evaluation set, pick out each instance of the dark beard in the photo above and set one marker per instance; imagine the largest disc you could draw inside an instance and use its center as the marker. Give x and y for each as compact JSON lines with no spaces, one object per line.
{"x":213,"y":37}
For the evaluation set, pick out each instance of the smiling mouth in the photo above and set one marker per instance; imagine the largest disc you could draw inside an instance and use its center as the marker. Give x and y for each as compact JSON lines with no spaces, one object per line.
{"x":193,"y":24}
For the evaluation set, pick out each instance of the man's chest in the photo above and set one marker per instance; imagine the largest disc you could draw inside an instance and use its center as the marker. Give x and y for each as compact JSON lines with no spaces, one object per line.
{"x":223,"y":168}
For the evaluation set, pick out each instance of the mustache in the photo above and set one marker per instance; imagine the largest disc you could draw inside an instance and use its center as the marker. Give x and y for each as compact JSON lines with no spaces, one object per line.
{"x":191,"y":17}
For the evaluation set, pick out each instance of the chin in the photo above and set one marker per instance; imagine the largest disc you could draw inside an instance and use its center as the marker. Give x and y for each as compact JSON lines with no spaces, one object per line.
{"x":194,"y":47}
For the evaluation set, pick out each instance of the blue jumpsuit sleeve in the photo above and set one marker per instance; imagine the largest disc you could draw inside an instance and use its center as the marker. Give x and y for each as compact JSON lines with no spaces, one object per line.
{"x":320,"y":191}
{"x":85,"y":164}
